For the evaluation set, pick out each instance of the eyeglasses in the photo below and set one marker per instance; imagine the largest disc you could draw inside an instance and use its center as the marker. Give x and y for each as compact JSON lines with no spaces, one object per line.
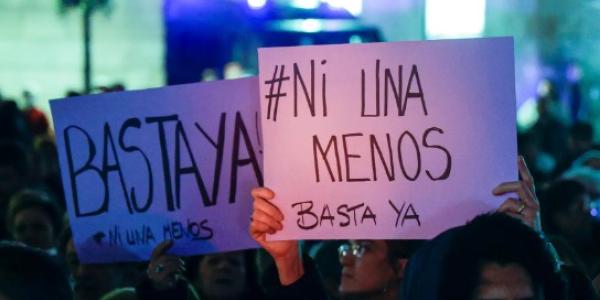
{"x":357,"y":250}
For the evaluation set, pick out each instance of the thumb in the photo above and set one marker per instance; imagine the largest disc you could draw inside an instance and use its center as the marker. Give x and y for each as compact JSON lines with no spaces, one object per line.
{"x":161,"y":249}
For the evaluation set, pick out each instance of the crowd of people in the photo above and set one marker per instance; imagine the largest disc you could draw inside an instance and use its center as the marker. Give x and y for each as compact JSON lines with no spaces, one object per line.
{"x":543,"y":242}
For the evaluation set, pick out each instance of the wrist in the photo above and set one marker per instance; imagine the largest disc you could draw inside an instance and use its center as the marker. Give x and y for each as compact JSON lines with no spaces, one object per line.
{"x":290,"y":267}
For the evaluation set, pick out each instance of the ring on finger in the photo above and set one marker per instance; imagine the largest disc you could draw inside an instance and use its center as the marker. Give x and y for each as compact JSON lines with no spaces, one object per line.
{"x":521,"y":208}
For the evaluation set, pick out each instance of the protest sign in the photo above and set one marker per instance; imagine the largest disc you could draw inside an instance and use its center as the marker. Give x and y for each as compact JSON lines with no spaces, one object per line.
{"x":172,"y":163}
{"x":387,"y":140}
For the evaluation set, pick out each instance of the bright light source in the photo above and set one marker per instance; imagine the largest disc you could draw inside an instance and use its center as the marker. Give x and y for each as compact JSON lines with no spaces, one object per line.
{"x":527,"y":114}
{"x":335,"y":3}
{"x":306,"y":4}
{"x":353,"y":6}
{"x":458,"y":18}
{"x":257,"y":4}
{"x":311,"y":25}
{"x":234,"y":70}
{"x":543,"y":88}
{"x":355,"y":39}
{"x":594,"y":212}
{"x":209,"y":75}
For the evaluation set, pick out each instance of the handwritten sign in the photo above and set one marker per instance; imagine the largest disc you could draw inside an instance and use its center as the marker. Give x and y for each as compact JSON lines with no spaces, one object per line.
{"x":387,"y":140}
{"x":173,"y":163}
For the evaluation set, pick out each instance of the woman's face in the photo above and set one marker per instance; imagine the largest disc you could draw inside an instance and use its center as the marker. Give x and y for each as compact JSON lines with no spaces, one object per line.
{"x":365,"y":267}
{"x":509,"y":281}
{"x":33,"y":227}
{"x":222,"y":275}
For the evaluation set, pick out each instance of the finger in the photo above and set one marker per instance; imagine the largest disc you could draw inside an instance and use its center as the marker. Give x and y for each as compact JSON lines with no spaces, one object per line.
{"x":520,"y":188}
{"x":530,"y":216}
{"x":273,"y":223}
{"x":259,"y":229}
{"x":529,"y":196}
{"x":506,"y":187}
{"x":170,"y":268}
{"x":256,"y":229}
{"x":524,"y":172}
{"x":168,"y":271}
{"x":268,"y":208}
{"x":163,"y":262}
{"x":262,"y":193}
{"x":161,"y":249}
{"x":511,"y":205}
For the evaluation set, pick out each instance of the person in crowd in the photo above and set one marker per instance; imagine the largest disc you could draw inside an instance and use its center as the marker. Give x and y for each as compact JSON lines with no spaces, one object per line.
{"x":226,"y":276}
{"x":551,"y":129}
{"x":541,"y":164}
{"x":92,"y":281}
{"x":218,"y":276}
{"x":581,"y":138}
{"x":27,"y":273}
{"x":579,"y":141}
{"x":15,"y":166}
{"x":37,"y":121}
{"x":493,"y":256}
{"x":47,"y":169}
{"x":370,"y":269}
{"x":13,"y":124}
{"x":165,"y":277}
{"x":586,"y":169}
{"x":34,"y":220}
{"x":566,"y":214}
{"x":375,"y":268}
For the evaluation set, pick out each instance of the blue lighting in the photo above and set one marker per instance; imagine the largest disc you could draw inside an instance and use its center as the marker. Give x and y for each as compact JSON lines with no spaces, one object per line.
{"x":594,"y":212}
{"x":354,"y":7}
{"x":257,"y":4}
{"x":306,"y":4}
{"x":311,"y":25}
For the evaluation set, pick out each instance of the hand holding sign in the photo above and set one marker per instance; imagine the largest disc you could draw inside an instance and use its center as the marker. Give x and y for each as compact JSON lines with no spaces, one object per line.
{"x":527,"y":206}
{"x":266,"y":219}
{"x":163,"y":269}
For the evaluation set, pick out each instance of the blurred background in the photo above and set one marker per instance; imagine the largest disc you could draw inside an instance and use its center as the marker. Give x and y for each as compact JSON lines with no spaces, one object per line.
{"x":49,"y":47}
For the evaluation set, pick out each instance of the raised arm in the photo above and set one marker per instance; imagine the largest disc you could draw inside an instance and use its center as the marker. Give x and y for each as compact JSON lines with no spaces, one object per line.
{"x":266,"y":219}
